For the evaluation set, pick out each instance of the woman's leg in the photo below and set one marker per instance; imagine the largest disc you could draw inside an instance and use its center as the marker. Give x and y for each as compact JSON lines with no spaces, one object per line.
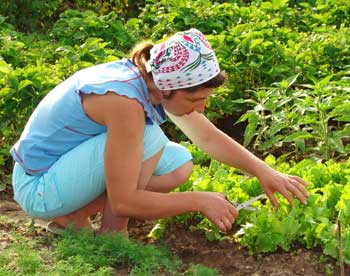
{"x":172,"y":166}
{"x":162,"y":172}
{"x":168,"y":182}
{"x":80,"y":218}
{"x":162,"y":183}
{"x":111,"y":222}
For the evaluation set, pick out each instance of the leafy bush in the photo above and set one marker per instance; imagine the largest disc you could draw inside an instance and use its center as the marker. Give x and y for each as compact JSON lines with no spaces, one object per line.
{"x":73,"y":58}
{"x":314,"y":119}
{"x":124,"y":8}
{"x":37,"y":15}
{"x":75,"y":27}
{"x":21,"y":90}
{"x":29,"y":15}
{"x":262,"y":45}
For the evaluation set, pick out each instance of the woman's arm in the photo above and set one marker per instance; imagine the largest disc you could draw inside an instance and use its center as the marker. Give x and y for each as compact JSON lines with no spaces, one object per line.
{"x":224,"y":149}
{"x":125,"y":123}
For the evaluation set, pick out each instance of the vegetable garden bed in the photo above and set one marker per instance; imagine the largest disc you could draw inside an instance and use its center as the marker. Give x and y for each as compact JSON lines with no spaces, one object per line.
{"x":226,"y":256}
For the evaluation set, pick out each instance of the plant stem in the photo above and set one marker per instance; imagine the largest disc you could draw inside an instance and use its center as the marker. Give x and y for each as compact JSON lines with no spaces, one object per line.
{"x":341,"y":258}
{"x":324,"y":130}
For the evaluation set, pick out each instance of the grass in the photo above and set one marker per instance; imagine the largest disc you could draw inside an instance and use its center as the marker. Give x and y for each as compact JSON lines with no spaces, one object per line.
{"x":80,"y":253}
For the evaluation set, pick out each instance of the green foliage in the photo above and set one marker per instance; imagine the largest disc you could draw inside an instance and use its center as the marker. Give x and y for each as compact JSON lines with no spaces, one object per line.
{"x":199,"y":157}
{"x":124,"y":8}
{"x":20,"y":258}
{"x":75,"y":27}
{"x":76,"y":266}
{"x":83,"y":254}
{"x":107,"y":250}
{"x":20,"y":91}
{"x":314,"y":120}
{"x":267,"y":230}
{"x":294,"y":45}
{"x":162,"y":17}
{"x":37,"y":15}
{"x":73,"y":58}
{"x":197,"y":270}
{"x":288,"y":81}
{"x":29,"y":15}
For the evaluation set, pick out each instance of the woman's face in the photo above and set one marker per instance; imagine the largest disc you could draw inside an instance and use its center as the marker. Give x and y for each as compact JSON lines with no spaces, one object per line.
{"x":182,"y":102}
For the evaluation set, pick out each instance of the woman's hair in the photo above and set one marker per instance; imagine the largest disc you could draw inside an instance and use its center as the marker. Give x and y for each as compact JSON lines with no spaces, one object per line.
{"x":140,"y":54}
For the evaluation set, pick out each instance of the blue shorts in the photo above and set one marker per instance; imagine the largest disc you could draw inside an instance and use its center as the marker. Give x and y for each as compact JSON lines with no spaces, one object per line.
{"x":77,"y":177}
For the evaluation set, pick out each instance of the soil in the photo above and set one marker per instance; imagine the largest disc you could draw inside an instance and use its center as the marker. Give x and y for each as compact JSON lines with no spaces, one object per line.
{"x":192,"y":247}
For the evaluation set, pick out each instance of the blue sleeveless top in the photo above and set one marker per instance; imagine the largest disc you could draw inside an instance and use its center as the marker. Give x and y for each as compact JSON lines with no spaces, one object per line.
{"x":59,"y":123}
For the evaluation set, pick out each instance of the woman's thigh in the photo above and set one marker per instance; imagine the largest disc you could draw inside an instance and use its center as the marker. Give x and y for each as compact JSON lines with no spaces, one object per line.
{"x":74,"y":180}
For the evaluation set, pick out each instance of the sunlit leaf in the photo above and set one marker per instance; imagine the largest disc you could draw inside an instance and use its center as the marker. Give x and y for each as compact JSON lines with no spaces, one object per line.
{"x":23,"y":84}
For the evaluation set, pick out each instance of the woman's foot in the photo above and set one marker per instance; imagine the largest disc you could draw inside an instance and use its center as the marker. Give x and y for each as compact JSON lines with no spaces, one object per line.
{"x":75,"y":222}
{"x":114,"y":225}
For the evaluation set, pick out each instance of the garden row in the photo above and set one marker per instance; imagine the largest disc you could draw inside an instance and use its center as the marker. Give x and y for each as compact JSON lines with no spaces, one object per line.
{"x":322,"y":223}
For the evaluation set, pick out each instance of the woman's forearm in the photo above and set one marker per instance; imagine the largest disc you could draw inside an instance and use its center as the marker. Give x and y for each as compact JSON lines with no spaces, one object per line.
{"x":223,"y":148}
{"x":217,"y":144}
{"x":152,"y":205}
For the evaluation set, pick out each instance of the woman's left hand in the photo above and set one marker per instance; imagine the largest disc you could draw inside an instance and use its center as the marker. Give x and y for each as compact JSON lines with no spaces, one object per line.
{"x":273,"y":181}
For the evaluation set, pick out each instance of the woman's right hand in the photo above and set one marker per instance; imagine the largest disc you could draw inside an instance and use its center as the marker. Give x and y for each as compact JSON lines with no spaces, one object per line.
{"x":218,"y":210}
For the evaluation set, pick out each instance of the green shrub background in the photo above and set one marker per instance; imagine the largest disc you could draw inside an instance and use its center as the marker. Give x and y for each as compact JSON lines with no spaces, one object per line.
{"x":288,"y":63}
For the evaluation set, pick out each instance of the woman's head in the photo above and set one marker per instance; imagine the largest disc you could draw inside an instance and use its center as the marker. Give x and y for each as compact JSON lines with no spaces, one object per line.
{"x":185,"y":60}
{"x":183,"y":63}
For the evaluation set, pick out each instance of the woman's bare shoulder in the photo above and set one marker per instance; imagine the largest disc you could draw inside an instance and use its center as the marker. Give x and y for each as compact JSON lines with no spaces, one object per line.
{"x":103,"y":108}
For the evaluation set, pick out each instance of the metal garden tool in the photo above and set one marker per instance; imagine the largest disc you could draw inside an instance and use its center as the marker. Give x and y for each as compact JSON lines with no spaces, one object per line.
{"x":246,"y":205}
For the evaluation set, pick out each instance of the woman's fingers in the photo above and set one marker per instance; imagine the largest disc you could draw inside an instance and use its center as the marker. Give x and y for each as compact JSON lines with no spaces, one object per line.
{"x":220,"y":224}
{"x":223,"y":224}
{"x":232,"y":211}
{"x":288,"y":195}
{"x":229,"y":217}
{"x":227,"y":224}
{"x":220,"y":211}
{"x":300,"y":185}
{"x":298,"y":190}
{"x":298,"y":179}
{"x":293,"y":185}
{"x":272,"y":198}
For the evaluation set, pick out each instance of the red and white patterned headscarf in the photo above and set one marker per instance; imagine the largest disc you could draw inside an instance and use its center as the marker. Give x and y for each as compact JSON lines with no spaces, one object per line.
{"x":184,"y":60}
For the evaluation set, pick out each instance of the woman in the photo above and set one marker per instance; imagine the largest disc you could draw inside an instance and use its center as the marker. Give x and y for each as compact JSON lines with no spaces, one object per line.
{"x":94,"y":143}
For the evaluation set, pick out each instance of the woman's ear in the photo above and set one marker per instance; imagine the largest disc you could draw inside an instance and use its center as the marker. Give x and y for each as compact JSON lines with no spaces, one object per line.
{"x":166,"y":93}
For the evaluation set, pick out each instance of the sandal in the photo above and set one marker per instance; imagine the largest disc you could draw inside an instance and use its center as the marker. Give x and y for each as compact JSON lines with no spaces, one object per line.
{"x":57,"y":229}
{"x":54,"y":228}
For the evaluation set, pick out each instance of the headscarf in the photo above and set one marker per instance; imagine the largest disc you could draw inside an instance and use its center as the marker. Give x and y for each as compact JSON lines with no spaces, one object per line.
{"x":184,"y":60}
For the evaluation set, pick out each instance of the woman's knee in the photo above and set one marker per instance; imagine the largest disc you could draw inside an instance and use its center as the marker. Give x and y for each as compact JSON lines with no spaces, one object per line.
{"x":167,"y":182}
{"x":182,"y":174}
